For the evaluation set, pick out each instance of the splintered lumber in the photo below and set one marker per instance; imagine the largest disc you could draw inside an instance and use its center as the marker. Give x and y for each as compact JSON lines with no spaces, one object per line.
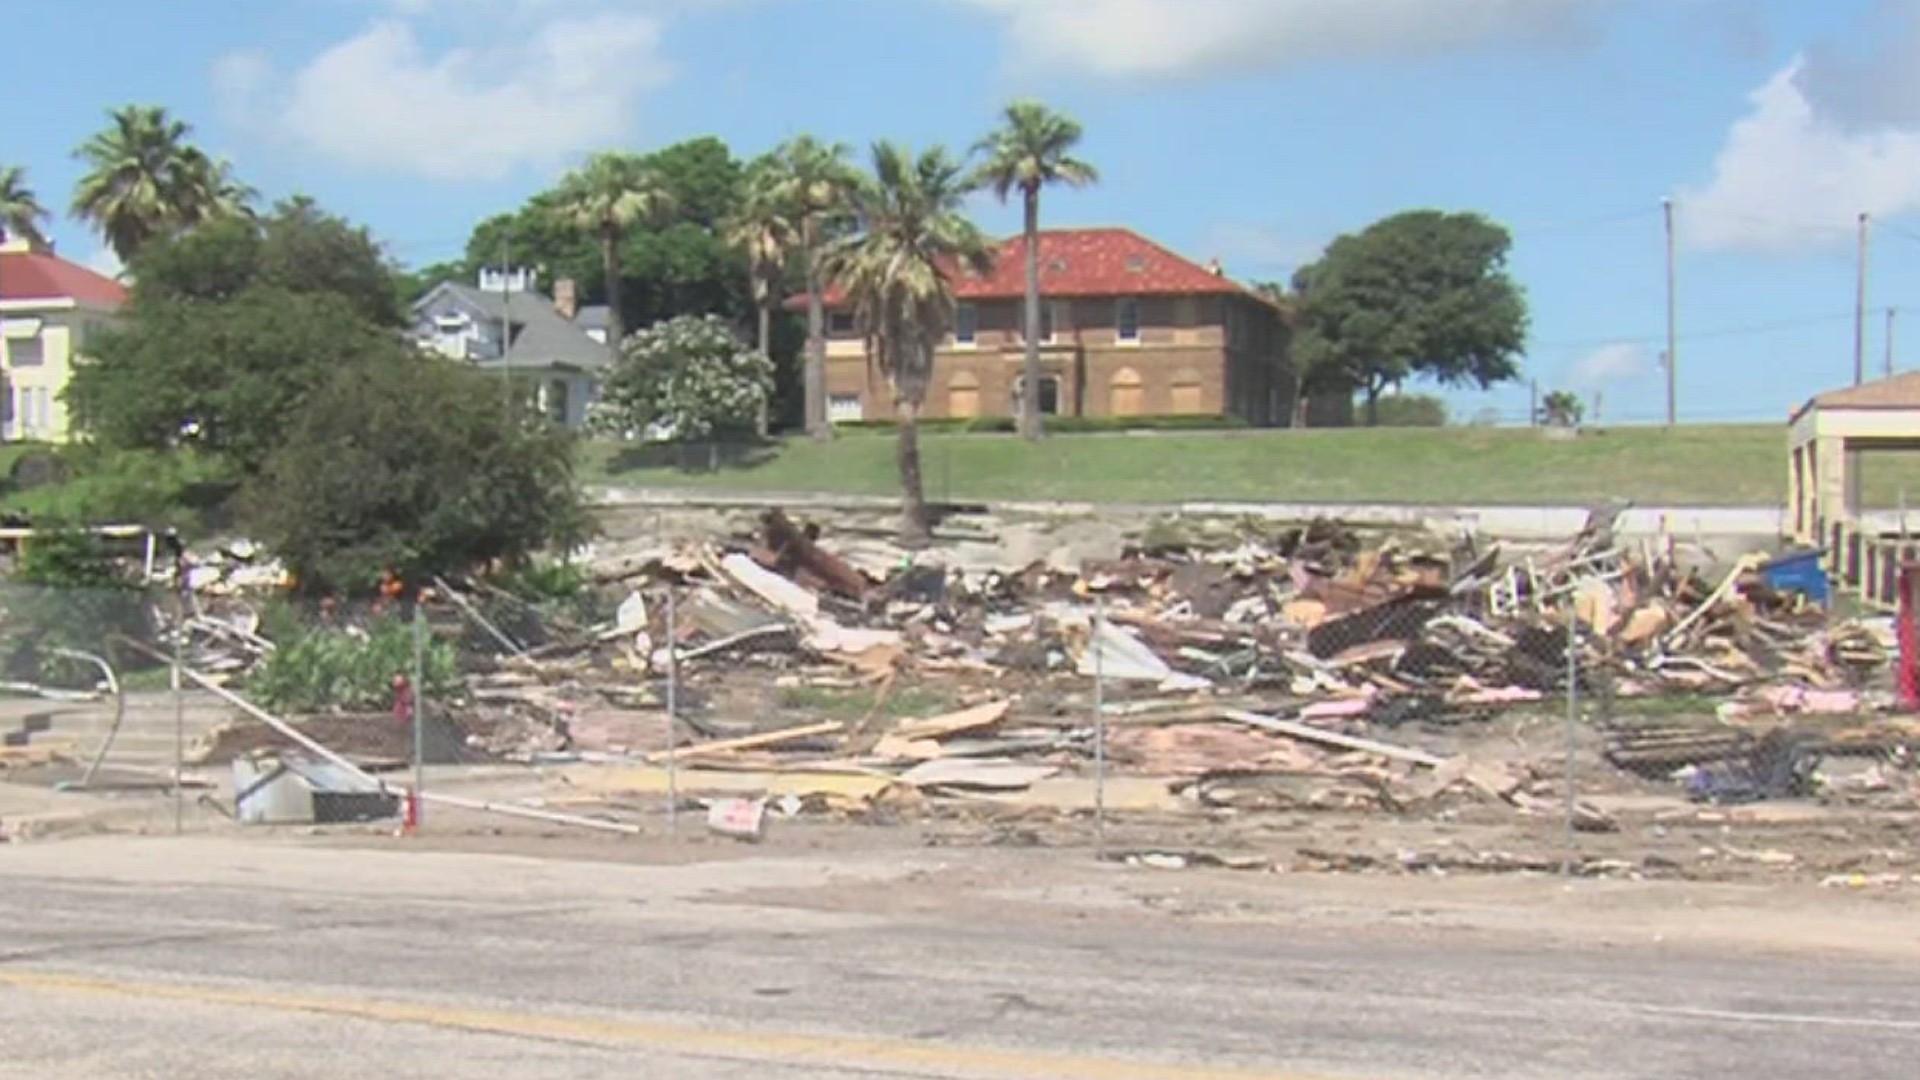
{"x":749,"y":742}
{"x":939,"y":727}
{"x":1309,"y":733}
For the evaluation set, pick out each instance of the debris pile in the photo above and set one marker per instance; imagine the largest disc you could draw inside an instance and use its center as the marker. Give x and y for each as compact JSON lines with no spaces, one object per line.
{"x":1304,"y":668}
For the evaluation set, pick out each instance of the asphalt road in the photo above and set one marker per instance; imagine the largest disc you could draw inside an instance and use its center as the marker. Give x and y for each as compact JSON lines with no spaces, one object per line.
{"x":235,"y":959}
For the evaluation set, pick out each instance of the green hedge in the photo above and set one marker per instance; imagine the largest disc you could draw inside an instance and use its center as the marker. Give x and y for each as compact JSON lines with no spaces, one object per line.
{"x":1064,"y":425}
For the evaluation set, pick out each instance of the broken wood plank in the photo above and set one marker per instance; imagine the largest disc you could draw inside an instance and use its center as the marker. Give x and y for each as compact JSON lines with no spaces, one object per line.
{"x":939,"y":727}
{"x":1331,"y":738}
{"x":748,"y":742}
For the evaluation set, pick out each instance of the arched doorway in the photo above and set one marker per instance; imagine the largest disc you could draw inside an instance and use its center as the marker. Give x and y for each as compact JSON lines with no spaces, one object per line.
{"x":1126,"y":394}
{"x":963,"y":396}
{"x":1186,"y":393}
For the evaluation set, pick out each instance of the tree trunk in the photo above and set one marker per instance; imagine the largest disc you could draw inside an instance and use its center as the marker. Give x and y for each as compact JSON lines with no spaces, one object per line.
{"x":610,"y":265}
{"x":1030,"y":372}
{"x":914,"y":526}
{"x":761,"y":421}
{"x":1373,"y":405}
{"x":815,"y":375}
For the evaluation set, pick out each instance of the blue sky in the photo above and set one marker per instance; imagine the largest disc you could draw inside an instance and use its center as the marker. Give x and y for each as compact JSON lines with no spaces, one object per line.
{"x":1248,"y":130}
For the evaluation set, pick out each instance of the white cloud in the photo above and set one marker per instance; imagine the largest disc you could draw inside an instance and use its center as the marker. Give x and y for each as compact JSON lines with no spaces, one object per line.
{"x":1791,"y":175}
{"x":1610,"y":364}
{"x":536,"y":92}
{"x":1171,"y":38}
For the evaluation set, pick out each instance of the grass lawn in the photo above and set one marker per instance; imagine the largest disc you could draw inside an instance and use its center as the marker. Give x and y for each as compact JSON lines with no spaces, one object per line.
{"x":1726,"y":465}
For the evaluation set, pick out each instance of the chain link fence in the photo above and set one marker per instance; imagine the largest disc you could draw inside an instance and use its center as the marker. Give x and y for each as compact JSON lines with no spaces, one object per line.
{"x":1253,"y":694}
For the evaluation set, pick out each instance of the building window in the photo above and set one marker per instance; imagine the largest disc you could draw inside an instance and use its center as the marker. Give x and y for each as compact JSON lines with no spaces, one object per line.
{"x":557,"y":406}
{"x":27,"y":352}
{"x":1236,"y":326}
{"x":844,"y":408}
{"x":1186,"y":312}
{"x":1056,"y":320}
{"x":966,"y":324}
{"x":1126,"y":319}
{"x":1049,"y":394}
{"x":1126,"y":394}
{"x":841,"y":322}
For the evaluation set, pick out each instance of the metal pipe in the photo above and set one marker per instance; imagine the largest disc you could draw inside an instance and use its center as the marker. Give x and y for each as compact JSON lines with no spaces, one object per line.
{"x":419,"y":707}
{"x":1099,"y":731}
{"x":119,"y":712}
{"x":357,"y":772}
{"x":673,"y":712}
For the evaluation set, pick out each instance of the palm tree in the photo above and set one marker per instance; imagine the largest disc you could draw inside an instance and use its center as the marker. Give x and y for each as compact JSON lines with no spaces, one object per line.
{"x":762,"y":228}
{"x":146,"y":180}
{"x":1032,"y":150}
{"x":612,"y":193}
{"x":896,"y":269}
{"x":817,"y":183}
{"x":21,"y":213}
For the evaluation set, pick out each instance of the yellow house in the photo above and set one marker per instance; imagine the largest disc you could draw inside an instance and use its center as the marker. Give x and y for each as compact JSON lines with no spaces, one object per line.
{"x":48,"y":309}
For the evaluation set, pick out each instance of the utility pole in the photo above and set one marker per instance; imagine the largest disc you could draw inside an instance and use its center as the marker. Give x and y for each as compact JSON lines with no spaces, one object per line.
{"x":1891,"y":312}
{"x":1860,"y":310}
{"x":1533,"y":402}
{"x":1673,"y":407}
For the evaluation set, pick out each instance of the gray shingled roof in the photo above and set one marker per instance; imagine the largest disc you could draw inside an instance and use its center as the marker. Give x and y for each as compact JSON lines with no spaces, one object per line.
{"x":592,"y":317}
{"x":540,"y":335}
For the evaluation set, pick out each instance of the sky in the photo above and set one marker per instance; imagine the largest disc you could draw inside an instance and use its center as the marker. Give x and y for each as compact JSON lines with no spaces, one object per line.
{"x":1252,"y":131}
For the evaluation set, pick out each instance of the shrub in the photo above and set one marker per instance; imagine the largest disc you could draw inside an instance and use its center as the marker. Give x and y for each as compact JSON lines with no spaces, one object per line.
{"x":68,"y":593}
{"x":1412,"y":410}
{"x":350,"y":668}
{"x":420,"y":467}
{"x":96,"y":486}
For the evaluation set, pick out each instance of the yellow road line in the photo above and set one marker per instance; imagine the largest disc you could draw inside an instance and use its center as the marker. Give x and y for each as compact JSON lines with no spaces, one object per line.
{"x":825,"y":1051}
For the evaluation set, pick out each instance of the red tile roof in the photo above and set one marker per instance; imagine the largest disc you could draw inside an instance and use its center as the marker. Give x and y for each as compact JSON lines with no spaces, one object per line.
{"x":41,"y":275}
{"x":1086,"y":262}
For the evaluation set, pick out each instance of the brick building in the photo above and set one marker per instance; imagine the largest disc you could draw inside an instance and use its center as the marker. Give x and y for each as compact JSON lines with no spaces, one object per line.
{"x":1127,"y":328}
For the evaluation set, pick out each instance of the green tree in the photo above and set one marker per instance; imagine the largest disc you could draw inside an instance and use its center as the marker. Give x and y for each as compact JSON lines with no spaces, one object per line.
{"x":818,"y":185}
{"x":1561,"y":408}
{"x":690,"y":374}
{"x":21,"y":213}
{"x":229,"y":327}
{"x":1422,"y":294}
{"x":680,"y":264}
{"x":610,"y":195}
{"x":1032,"y":150}
{"x":762,"y":228}
{"x":417,"y":466}
{"x":416,"y":283}
{"x":146,"y":180}
{"x":913,"y":233}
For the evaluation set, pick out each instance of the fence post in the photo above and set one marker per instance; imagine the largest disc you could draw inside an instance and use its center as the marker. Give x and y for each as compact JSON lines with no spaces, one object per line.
{"x":1573,"y":705}
{"x":1099,"y":731}
{"x":673,"y":713}
{"x":178,"y":694}
{"x":419,"y":708}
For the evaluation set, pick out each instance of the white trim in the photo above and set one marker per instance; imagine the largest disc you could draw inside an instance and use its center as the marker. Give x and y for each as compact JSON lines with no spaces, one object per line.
{"x":56,"y":303}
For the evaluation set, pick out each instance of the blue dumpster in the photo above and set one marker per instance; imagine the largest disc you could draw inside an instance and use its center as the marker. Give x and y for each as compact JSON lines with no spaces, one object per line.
{"x":1799,"y":572}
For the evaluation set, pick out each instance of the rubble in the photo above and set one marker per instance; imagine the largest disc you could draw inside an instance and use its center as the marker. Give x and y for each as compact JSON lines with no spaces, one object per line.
{"x":1282,"y":668}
